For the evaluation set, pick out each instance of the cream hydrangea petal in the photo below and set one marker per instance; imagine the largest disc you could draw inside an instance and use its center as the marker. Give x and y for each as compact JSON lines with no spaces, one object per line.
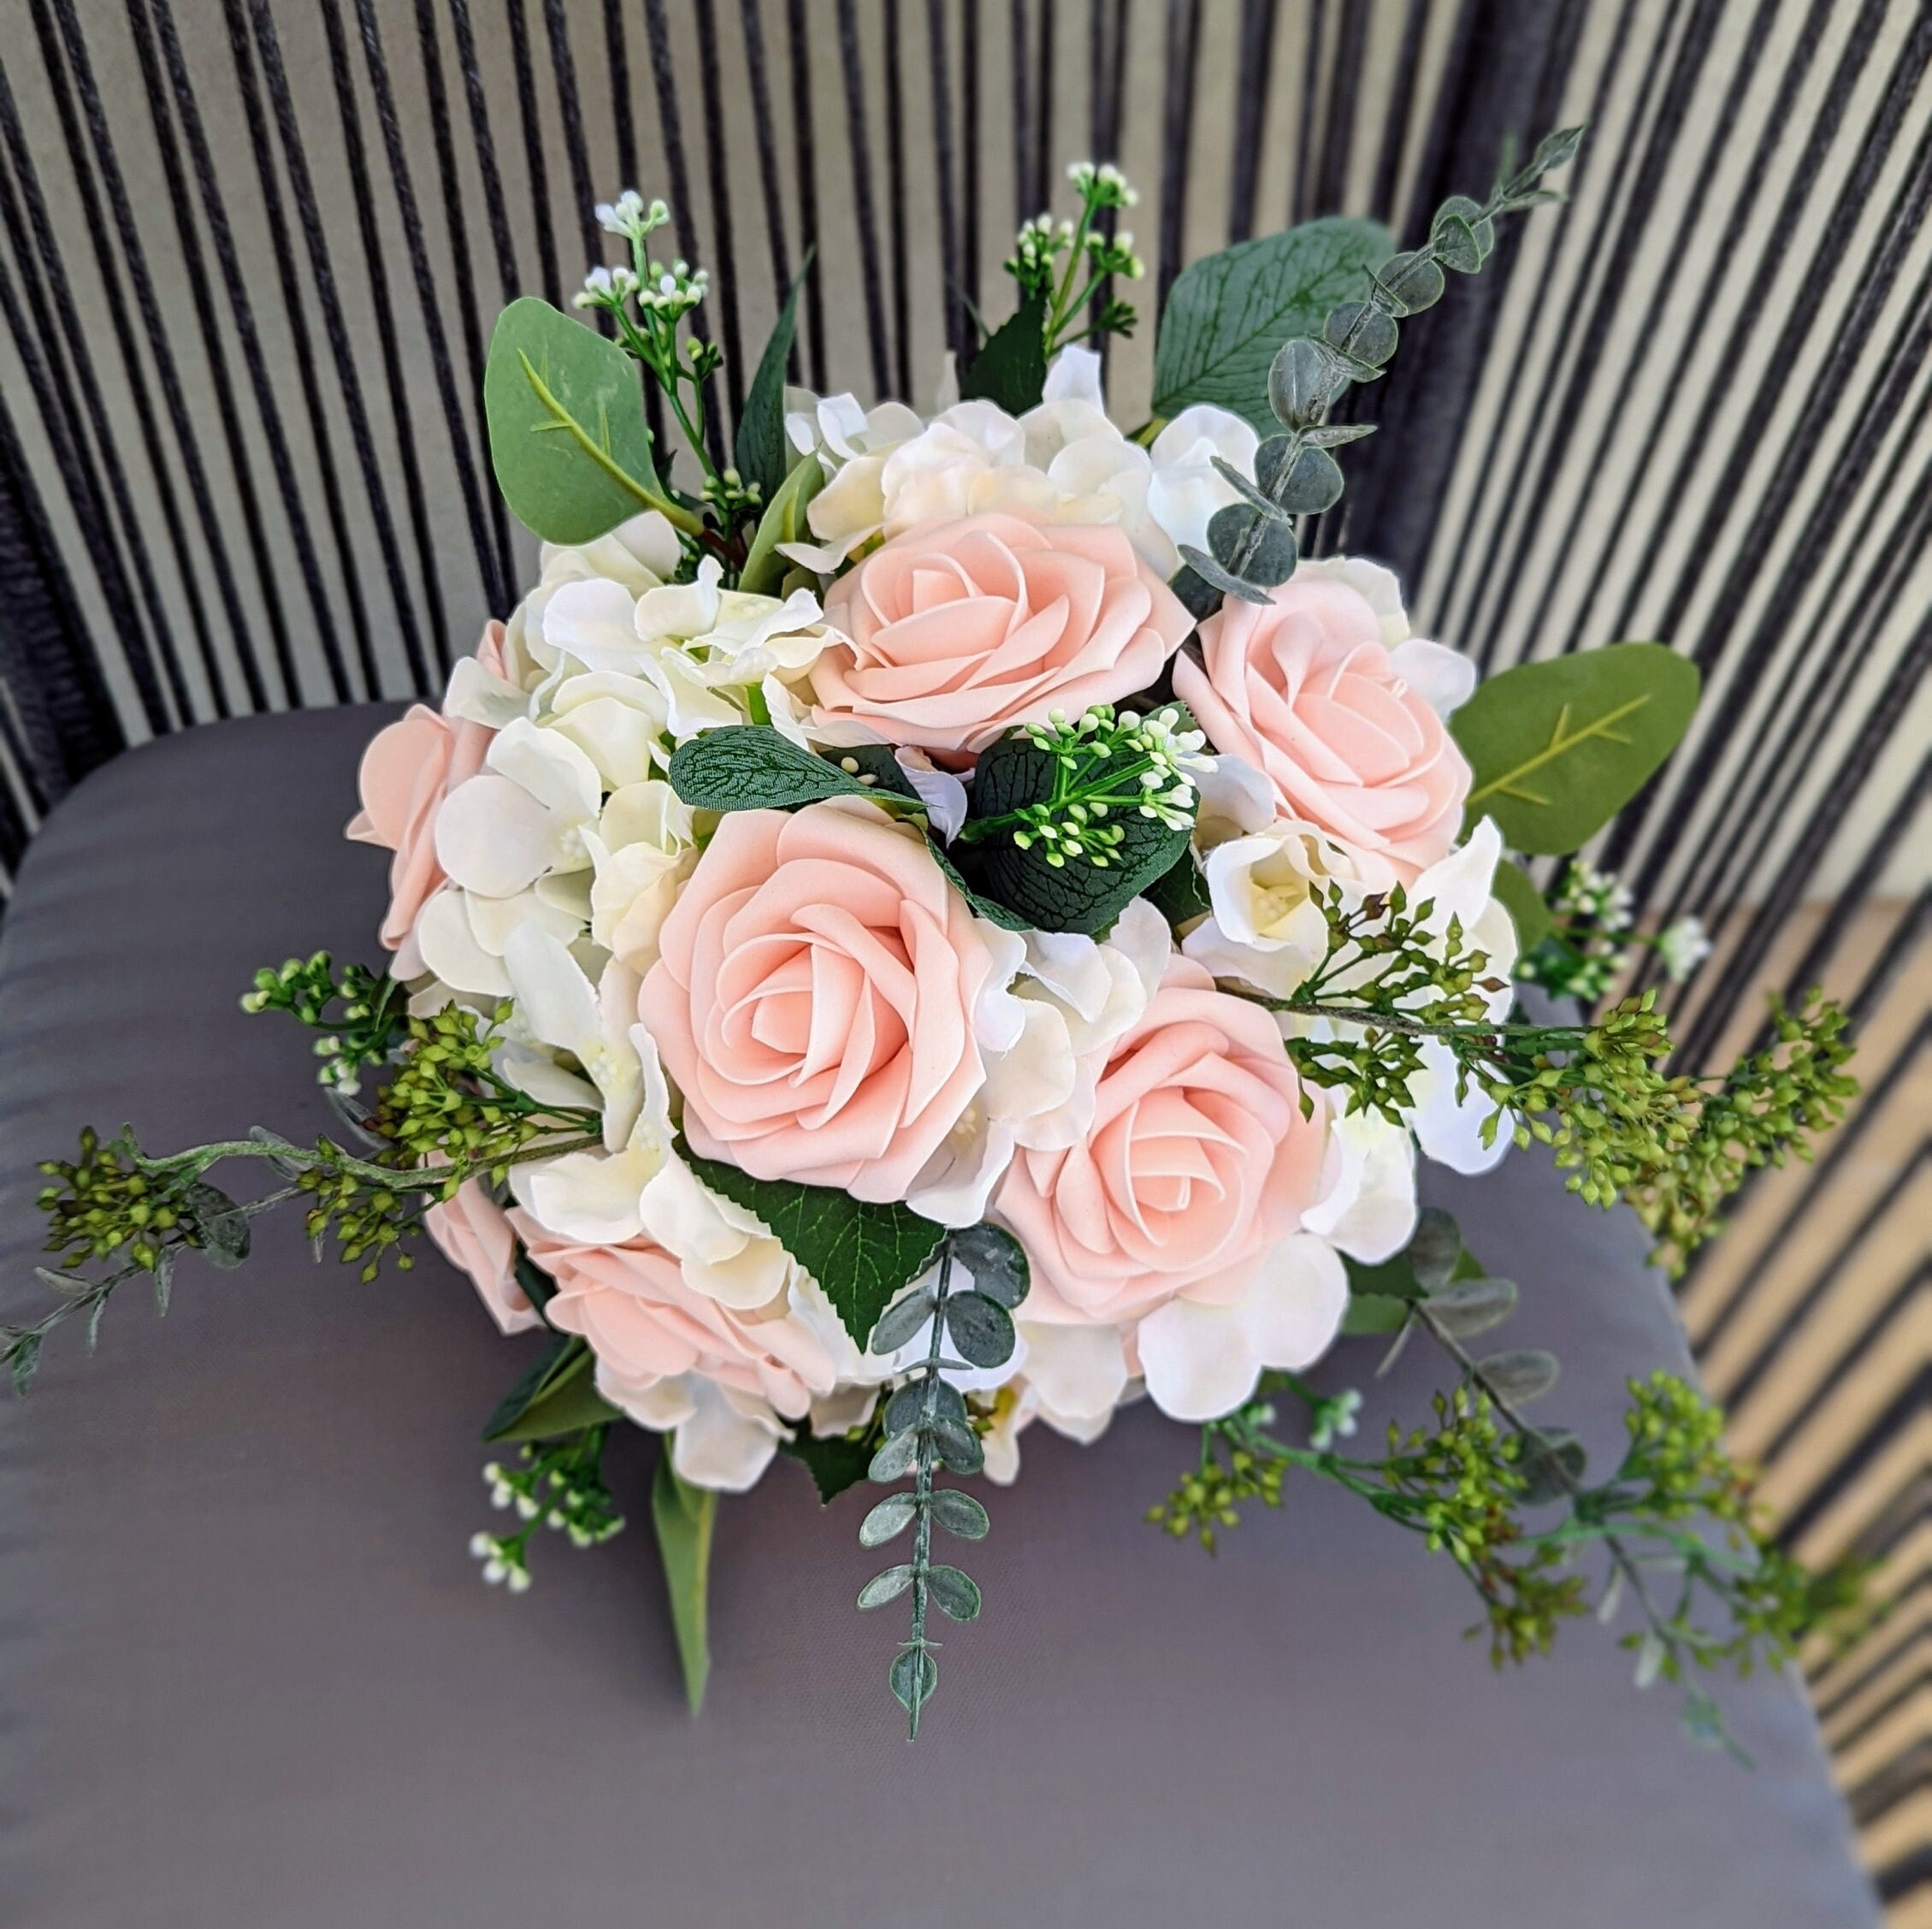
{"x":479,"y":697}
{"x":551,"y":768}
{"x":1447,"y":1129}
{"x":1197,"y":1360}
{"x":493,"y":837}
{"x":680,"y":610}
{"x":1367,"y":1207}
{"x":1444,"y":678}
{"x":724,"y":1252}
{"x":1079,"y":1372}
{"x":1236,"y":800}
{"x":728,"y":1440}
{"x":591,"y":1197}
{"x":592,"y":621}
{"x":539,"y":1074}
{"x":1073,"y":375}
{"x":451,"y":950}
{"x":1294,"y":1309}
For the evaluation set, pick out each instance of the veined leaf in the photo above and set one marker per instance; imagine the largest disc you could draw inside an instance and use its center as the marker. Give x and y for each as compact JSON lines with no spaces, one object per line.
{"x":1011,"y":368}
{"x":1520,"y":898}
{"x":568,"y":441}
{"x":1230,"y":312}
{"x":834,"y":1465}
{"x":558,"y":1395}
{"x":783,"y":521}
{"x":752,"y":767}
{"x":861,"y":1254}
{"x":1558,"y":748}
{"x":683,"y":1517}
{"x":760,"y":451}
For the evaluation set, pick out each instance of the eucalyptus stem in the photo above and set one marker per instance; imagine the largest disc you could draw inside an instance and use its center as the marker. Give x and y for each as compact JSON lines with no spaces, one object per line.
{"x":922,"y":1487}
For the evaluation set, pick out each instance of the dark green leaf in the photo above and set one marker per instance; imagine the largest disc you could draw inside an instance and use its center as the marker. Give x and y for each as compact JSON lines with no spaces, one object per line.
{"x":683,"y":1517}
{"x":981,"y":1328}
{"x":1228,"y":313}
{"x":567,"y":436}
{"x":566,"y":1355}
{"x":914,"y":1676}
{"x":960,"y":1513}
{"x":218,"y":1224}
{"x":956,"y":1594}
{"x":901,"y":1321}
{"x":1202,"y":568}
{"x":760,"y":452}
{"x":997,"y":1260}
{"x":1395,"y":1279}
{"x":1179,"y":894}
{"x":889,"y":1518}
{"x":1523,"y":1373}
{"x":1374,"y":1312}
{"x":1455,"y":245}
{"x":1524,"y":903}
{"x":958,"y":1446}
{"x":894,"y":1460}
{"x":752,"y":767}
{"x":1304,"y":377}
{"x":1413,"y":280}
{"x":1433,"y":1249}
{"x":1305,"y":484}
{"x":566,"y":1402}
{"x":1558,"y":748}
{"x":1363,"y":331}
{"x":834,"y":1465}
{"x":539,"y":1288}
{"x":1553,"y":1461}
{"x":1010,"y":369}
{"x":982,"y":907}
{"x":1472,"y":1306}
{"x":861,"y":1255}
{"x":887,"y":1585}
{"x":1260,"y":549}
{"x":783,"y":521}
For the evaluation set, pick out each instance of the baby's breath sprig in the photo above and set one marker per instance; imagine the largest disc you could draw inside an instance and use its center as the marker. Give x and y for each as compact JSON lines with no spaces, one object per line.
{"x":554,"y":1483}
{"x":1593,"y":936}
{"x":1107,"y":767}
{"x":1050,"y":258}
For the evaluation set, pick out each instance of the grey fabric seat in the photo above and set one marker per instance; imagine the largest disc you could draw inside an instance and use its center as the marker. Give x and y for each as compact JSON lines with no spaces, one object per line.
{"x":251,"y":1677}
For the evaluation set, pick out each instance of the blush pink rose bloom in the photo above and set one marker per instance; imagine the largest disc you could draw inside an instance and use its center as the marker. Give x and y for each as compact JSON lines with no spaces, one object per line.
{"x":407,"y":770}
{"x":813,"y":1000}
{"x":1302,"y":688}
{"x":474,"y":1233}
{"x":646,"y":1324}
{"x":960,"y":629}
{"x":1198,"y":1162}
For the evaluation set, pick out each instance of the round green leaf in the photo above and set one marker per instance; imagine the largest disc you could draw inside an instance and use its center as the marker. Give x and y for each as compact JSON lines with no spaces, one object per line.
{"x":997,"y":1260}
{"x":981,"y":1328}
{"x":902,"y":1321}
{"x":957,"y":1595}
{"x":960,"y":1513}
{"x":1558,"y":748}
{"x":889,"y":1518}
{"x":1523,"y":1373}
{"x":1472,"y":1306}
{"x":914,"y":1676}
{"x":1363,"y":330}
{"x":887,"y":1586}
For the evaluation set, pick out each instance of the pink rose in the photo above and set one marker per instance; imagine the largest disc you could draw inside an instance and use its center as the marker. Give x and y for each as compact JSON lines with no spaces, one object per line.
{"x":407,"y":770}
{"x":1302,"y":688}
{"x":959,"y":630}
{"x":814,"y":999}
{"x":474,"y":1234}
{"x":646,"y":1324}
{"x":1198,"y":1162}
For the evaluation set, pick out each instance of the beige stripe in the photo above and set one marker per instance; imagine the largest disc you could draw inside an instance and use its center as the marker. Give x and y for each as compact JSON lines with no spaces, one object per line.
{"x":1913,"y":1662}
{"x":1827,"y":1672}
{"x":1903,"y":1828}
{"x":1901,"y":1460}
{"x":1909,"y":1722}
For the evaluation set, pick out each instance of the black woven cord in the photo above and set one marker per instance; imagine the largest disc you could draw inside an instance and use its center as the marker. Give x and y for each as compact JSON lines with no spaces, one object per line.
{"x":751,"y":24}
{"x":1301,"y":202}
{"x":970,"y":132}
{"x":805,"y":161}
{"x":302,"y":194}
{"x":1176,"y":142}
{"x":945,"y":180}
{"x":1043,"y":158}
{"x":48,"y":661}
{"x":1019,"y":62}
{"x":110,"y":517}
{"x":899,"y":267}
{"x":723,"y":261}
{"x":500,"y":573}
{"x":1253,"y":63}
{"x":375,"y":263}
{"x":1395,"y":118}
{"x":1338,"y":117}
{"x":476,"y":96}
{"x":470,"y":456}
{"x":576,"y":150}
{"x":852,"y":68}
{"x":535,"y":164}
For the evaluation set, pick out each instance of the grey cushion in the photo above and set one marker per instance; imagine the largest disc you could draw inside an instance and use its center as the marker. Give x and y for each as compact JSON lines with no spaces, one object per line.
{"x":252,"y":1679}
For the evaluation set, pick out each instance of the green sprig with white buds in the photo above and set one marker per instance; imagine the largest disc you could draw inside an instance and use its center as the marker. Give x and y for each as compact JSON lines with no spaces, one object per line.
{"x":1067,"y":262}
{"x":556,"y":1483}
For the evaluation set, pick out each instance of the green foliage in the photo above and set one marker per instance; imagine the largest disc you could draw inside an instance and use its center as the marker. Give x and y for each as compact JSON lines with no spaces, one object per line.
{"x":684,"y":1516}
{"x":761,"y":450}
{"x":834,"y":1465}
{"x":925,"y":1426}
{"x":1558,"y":748}
{"x":567,"y":436}
{"x":1061,"y":268}
{"x":363,"y":1017}
{"x":556,"y":1395}
{"x":1010,"y":369}
{"x":1227,"y":313}
{"x":861,"y":1255}
{"x":783,"y":521}
{"x":558,"y":1484}
{"x":1069,"y":822}
{"x":1252,"y":544}
{"x":1524,"y":903}
{"x":753,"y":766}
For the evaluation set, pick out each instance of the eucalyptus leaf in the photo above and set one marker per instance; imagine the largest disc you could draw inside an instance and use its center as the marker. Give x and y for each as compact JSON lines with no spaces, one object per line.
{"x":568,"y":441}
{"x":914,"y":1676}
{"x":759,"y":450}
{"x":997,"y":1260}
{"x":1228,"y":313}
{"x":886,"y":1586}
{"x":1413,"y":280}
{"x":894,"y":1460}
{"x":1433,"y":1248}
{"x":1472,"y":1306}
{"x":1558,"y":748}
{"x":958,"y":1446}
{"x":1370,"y":1313}
{"x":1205,"y":569}
{"x":900,"y":1322}
{"x":1304,"y":379}
{"x":907,"y":1409}
{"x":219,"y":1224}
{"x":1521,"y":1374}
{"x":1363,"y":331}
{"x":1304,"y":481}
{"x":1528,"y":912}
{"x":889,"y":1518}
{"x":958,"y":1513}
{"x":783,"y":521}
{"x":981,"y":1328}
{"x":684,"y":1516}
{"x":1553,"y":1461}
{"x":752,"y":767}
{"x":955,"y":1593}
{"x":1011,"y":368}
{"x":862,"y":1255}
{"x":1455,"y":245}
{"x":1261,"y":548}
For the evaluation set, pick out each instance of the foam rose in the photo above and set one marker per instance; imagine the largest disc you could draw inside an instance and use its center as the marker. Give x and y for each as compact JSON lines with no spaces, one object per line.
{"x":407,"y":770}
{"x":473,"y":1233}
{"x":666,"y":1352}
{"x":1306,"y":689}
{"x":1189,"y":1187}
{"x":960,"y":629}
{"x":815,"y":998}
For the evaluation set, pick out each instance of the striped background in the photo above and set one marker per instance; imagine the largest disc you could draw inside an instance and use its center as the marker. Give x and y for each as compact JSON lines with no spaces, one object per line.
{"x":251,"y":249}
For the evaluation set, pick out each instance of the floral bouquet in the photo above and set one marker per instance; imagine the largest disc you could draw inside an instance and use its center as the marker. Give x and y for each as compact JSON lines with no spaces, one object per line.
{"x":957,"y":923}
